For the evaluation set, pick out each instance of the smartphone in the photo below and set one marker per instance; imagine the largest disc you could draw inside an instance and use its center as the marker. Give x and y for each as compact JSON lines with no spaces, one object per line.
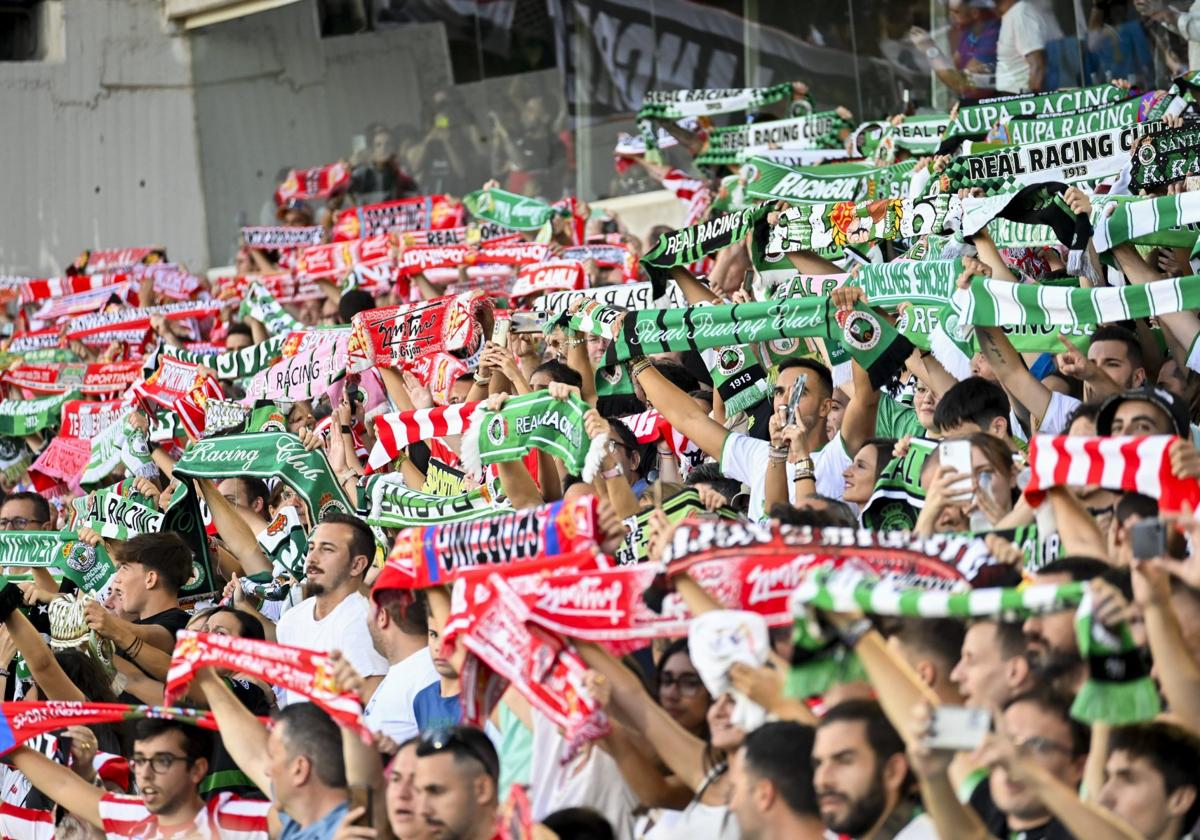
{"x":353,"y":393}
{"x":527,"y":322}
{"x":1148,"y":539}
{"x":361,"y":797}
{"x":956,"y":454}
{"x":958,"y":728}
{"x":441,"y":121}
{"x":789,"y":418}
{"x":500,"y":331}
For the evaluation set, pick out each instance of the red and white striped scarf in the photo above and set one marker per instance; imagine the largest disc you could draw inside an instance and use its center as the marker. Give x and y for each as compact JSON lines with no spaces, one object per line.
{"x":180,"y":387}
{"x":650,"y":426}
{"x":398,"y":429}
{"x":1137,"y":464}
{"x":316,"y":182}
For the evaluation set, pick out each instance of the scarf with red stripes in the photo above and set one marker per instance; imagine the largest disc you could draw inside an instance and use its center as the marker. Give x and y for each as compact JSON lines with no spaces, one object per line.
{"x":180,"y":387}
{"x":296,"y":669}
{"x":59,"y":378}
{"x":315,"y":182}
{"x":22,"y":721}
{"x":396,"y":336}
{"x":398,"y":429}
{"x":1137,"y":464}
{"x":427,"y":212}
{"x":322,"y":262}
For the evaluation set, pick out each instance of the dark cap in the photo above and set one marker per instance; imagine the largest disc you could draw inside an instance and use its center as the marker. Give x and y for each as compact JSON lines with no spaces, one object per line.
{"x":1170,"y":404}
{"x":294,"y":204}
{"x":462,"y":742}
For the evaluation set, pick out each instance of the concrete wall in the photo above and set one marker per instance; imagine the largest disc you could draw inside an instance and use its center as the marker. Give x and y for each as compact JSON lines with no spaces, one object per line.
{"x":99,"y":147}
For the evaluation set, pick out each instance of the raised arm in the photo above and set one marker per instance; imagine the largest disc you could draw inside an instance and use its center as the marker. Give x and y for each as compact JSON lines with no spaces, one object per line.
{"x":681,"y":411}
{"x":236,"y":534}
{"x":243,"y":734}
{"x":60,"y":784}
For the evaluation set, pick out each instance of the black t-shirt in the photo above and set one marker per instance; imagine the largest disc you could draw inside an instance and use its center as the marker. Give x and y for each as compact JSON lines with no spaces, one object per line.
{"x":996,"y":821}
{"x":224,"y":774}
{"x":173,"y":620}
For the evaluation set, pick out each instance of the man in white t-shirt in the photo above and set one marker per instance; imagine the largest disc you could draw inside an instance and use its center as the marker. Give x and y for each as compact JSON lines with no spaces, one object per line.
{"x":335,"y":615}
{"x":1021,"y":46}
{"x":399,"y":627}
{"x":745,"y":458}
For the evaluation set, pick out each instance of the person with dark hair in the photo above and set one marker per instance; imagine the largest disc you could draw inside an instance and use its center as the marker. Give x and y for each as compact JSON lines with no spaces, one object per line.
{"x":992,"y":666}
{"x":863,"y":471}
{"x":457,"y":775}
{"x":554,"y":370}
{"x":1130,"y":509}
{"x":247,"y":493}
{"x":973,"y":405}
{"x":1053,"y":647}
{"x":680,"y":690}
{"x":931,"y":646}
{"x":353,"y":302}
{"x":579,"y":824}
{"x":151,"y":569}
{"x":861,"y":774}
{"x":26,"y":511}
{"x":773,"y":794}
{"x":709,"y":474}
{"x":399,"y":628}
{"x":335,"y":615}
{"x":816,"y":512}
{"x":238,"y":337}
{"x":380,"y":178}
{"x":169,"y":760}
{"x":1151,"y":779}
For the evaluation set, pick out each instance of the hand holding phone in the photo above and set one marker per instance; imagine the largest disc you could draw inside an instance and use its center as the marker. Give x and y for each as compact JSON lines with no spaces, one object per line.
{"x":956,"y":455}
{"x":789,"y":417}
{"x":957,"y":728}
{"x":1148,"y":539}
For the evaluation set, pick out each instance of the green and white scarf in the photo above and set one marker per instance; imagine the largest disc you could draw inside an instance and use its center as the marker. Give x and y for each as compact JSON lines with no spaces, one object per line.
{"x":1086,"y":157}
{"x":851,"y":593}
{"x":386,"y":502}
{"x":887,"y":285}
{"x":898,"y":497}
{"x":268,"y":455}
{"x":872,"y":342}
{"x":516,"y":212}
{"x":679,"y":104}
{"x":88,"y":567}
{"x":686,"y":246}
{"x":994,"y":303}
{"x":768,"y":181}
{"x":1119,"y":689}
{"x":677,"y":507}
{"x":1168,"y":156}
{"x":815,"y":131}
{"x":107,"y":507}
{"x":533,"y":421}
{"x":820,"y":226}
{"x":972,"y":120}
{"x":232,"y":364}
{"x":1168,"y":221}
{"x":1034,"y":129}
{"x":285,"y":544}
{"x":19,"y":417}
{"x":921,"y":135}
{"x":261,"y":305}
{"x":106,"y":452}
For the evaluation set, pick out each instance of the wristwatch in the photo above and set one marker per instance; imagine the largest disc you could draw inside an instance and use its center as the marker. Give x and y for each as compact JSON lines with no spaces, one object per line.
{"x":804,"y":465}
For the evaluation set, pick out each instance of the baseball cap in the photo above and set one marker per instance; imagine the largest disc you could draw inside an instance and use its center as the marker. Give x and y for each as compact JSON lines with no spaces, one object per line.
{"x":1170,"y":404}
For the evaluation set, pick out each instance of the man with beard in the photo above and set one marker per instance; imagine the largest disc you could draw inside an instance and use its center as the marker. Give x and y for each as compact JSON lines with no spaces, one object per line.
{"x":336,"y":614}
{"x":773,"y":796}
{"x":169,"y":761}
{"x":1053,"y":651}
{"x":861,"y":776}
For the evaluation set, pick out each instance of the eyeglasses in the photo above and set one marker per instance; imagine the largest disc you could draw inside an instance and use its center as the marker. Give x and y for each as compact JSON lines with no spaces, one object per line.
{"x":17,"y":523}
{"x":688,"y":684}
{"x":450,"y":738}
{"x":1042,"y":746}
{"x":159,"y":762}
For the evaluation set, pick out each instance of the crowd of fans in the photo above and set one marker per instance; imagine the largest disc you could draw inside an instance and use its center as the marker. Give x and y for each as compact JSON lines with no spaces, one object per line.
{"x":867,"y":518}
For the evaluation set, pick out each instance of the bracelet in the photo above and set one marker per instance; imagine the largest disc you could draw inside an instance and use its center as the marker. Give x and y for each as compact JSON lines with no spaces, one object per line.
{"x":852,"y":634}
{"x":615,"y":472}
{"x":482,"y":380}
{"x":805,"y":465}
{"x":803,"y":475}
{"x":4,"y":672}
{"x":638,"y":365}
{"x":135,"y":647}
{"x":345,"y":429}
{"x":778,"y":452}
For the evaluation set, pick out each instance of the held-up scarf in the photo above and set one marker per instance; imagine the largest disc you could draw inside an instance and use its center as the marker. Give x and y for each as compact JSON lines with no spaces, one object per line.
{"x":920,"y":135}
{"x":650,"y":426}
{"x":439,"y":372}
{"x":317,"y":182}
{"x":284,"y":543}
{"x":677,"y":507}
{"x":107,"y":507}
{"x":262,"y":307}
{"x":767,"y":181}
{"x":607,"y":256}
{"x":820,"y":226}
{"x":88,"y":566}
{"x":995,"y":303}
{"x":835,"y":591}
{"x":132,"y":325}
{"x":978,"y":119}
{"x":545,"y":668}
{"x":113,"y":259}
{"x":435,"y":554}
{"x":98,"y":378}
{"x":20,"y":417}
{"x":32,"y":290}
{"x":816,"y":131}
{"x":22,"y":342}
{"x":872,"y":342}
{"x":1119,"y":690}
{"x":24,"y":720}
{"x":485,"y":234}
{"x":232,"y":364}
{"x":626,"y":296}
{"x":1036,"y":129}
{"x":888,"y":285}
{"x":59,"y":309}
{"x":318,"y":262}
{"x":1138,"y":464}
{"x":280,"y":238}
{"x":422,"y":260}
{"x":396,"y":335}
{"x":1083,"y":157}
{"x":551,"y":276}
{"x":63,"y":460}
{"x":1166,"y":220}
{"x":509,"y":209}
{"x":678,"y":104}
{"x":302,"y":671}
{"x":686,"y":246}
{"x":387,"y":503}
{"x":1166,"y":157}
{"x":428,"y":212}
{"x":398,"y":429}
{"x":312,"y":361}
{"x":533,"y":421}
{"x":268,"y":455}
{"x":170,"y":281}
{"x":179,"y":387}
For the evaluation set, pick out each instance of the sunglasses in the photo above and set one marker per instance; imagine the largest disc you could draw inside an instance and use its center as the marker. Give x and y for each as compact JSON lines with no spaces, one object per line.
{"x":450,"y":738}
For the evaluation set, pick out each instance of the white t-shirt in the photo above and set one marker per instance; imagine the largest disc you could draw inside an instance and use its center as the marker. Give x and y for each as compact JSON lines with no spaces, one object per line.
{"x":1023,"y":30}
{"x":590,"y":780}
{"x":344,"y":629}
{"x":744,"y":459}
{"x":390,"y":709}
{"x":1057,"y":413}
{"x":921,"y":827}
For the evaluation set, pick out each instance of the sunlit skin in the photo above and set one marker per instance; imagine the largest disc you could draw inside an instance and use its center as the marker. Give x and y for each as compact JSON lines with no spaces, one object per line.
{"x":1139,"y":417}
{"x":401,"y":795}
{"x":1048,"y":740}
{"x":860,"y":476}
{"x":1112,"y":357}
{"x":681,"y":693}
{"x":170,"y":795}
{"x":455,"y":799}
